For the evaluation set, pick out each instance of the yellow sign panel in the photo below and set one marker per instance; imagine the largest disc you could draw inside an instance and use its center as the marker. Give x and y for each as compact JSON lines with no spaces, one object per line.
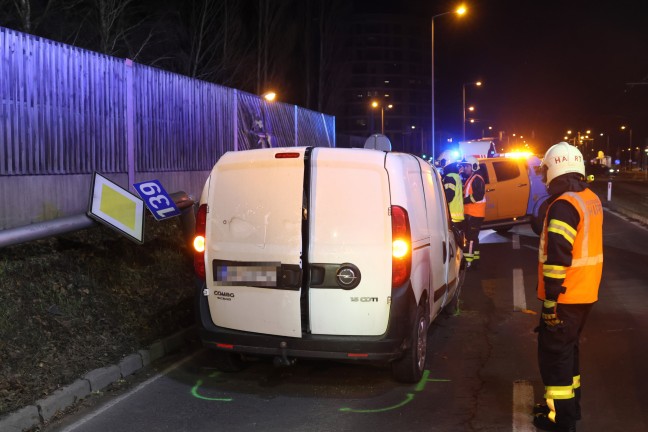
{"x":117,"y":208}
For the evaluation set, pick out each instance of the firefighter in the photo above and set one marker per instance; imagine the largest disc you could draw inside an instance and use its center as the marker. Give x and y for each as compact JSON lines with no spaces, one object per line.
{"x":570,"y":263}
{"x":474,"y":208}
{"x":454,"y":191}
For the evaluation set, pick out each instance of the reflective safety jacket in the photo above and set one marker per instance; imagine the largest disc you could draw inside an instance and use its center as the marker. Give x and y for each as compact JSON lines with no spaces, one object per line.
{"x":475,"y":196}
{"x":454,"y":196}
{"x":571,"y":247}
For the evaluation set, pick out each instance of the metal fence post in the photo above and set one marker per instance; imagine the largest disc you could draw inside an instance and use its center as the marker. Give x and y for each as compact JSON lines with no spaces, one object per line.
{"x":296,"y":128}
{"x":130,"y":124}
{"x":235,"y":118}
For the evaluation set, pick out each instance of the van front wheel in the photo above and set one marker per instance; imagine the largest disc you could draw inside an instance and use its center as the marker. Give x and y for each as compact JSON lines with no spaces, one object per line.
{"x":409,"y":368}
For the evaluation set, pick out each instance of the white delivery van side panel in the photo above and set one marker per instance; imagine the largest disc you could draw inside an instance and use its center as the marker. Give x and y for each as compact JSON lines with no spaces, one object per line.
{"x":254,"y":226}
{"x":441,"y":244}
{"x":407,"y":192}
{"x":350,"y":223}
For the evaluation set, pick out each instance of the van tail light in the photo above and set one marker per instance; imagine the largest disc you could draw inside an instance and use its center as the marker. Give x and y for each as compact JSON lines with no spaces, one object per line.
{"x":401,"y":246}
{"x":199,"y":243}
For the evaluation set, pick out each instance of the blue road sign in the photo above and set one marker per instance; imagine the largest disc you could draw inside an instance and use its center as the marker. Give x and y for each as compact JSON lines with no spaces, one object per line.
{"x":157,"y":199}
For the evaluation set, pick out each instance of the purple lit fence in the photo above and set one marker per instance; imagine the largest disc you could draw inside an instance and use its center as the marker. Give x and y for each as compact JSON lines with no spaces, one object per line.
{"x":65,"y":110}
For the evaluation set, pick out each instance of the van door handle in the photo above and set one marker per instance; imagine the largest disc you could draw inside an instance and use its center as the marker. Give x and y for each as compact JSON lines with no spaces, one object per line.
{"x":490,"y":190}
{"x":445,"y":251}
{"x":522,"y":185}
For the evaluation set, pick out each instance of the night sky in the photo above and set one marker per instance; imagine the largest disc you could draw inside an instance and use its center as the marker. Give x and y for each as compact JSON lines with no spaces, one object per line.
{"x":547,"y":66}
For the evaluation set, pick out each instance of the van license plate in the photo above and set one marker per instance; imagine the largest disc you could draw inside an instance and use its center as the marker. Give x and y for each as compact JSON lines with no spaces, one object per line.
{"x":244,"y":274}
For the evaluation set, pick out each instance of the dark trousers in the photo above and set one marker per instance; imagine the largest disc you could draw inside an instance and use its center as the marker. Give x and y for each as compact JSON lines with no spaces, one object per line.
{"x":471,"y":227}
{"x":558,"y":358}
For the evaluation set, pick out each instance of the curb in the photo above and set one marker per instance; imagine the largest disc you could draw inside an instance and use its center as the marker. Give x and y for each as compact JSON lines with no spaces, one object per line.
{"x":627,"y":213}
{"x":43,"y":410}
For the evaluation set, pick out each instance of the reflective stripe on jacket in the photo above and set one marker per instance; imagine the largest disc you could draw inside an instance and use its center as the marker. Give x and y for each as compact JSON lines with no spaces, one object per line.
{"x":474,"y":208}
{"x":582,"y":278}
{"x":455,"y":206}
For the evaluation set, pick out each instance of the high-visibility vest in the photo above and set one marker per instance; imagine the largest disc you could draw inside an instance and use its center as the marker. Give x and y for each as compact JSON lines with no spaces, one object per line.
{"x":583,"y":277}
{"x":455,"y":206}
{"x":474,"y":209}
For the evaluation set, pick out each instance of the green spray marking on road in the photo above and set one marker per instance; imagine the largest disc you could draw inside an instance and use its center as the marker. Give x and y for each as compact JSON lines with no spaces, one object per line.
{"x":194,"y":391}
{"x":410,"y":396}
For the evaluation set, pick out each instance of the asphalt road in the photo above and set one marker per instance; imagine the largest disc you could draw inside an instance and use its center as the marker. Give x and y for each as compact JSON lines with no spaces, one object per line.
{"x":482,"y":371}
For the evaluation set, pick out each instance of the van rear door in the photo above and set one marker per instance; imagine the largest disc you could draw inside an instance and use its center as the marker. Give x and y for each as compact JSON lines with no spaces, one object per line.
{"x":254,"y":241}
{"x":349,"y":242}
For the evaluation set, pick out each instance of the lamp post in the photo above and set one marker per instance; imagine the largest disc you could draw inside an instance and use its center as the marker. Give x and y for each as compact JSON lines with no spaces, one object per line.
{"x":262,"y":128}
{"x":375,"y":104}
{"x":629,"y":144}
{"x":463,"y":94}
{"x":459,"y":11}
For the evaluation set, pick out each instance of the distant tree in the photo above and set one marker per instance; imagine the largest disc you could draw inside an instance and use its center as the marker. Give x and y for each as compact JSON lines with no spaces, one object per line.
{"x":277,"y":36}
{"x":207,"y":42}
{"x":26,"y":15}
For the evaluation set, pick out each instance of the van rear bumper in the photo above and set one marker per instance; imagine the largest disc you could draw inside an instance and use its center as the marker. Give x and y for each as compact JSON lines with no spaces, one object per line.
{"x":386,"y":347}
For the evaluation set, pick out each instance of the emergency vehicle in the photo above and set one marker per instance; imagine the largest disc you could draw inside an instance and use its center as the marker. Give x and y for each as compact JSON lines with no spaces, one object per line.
{"x":515,"y":192}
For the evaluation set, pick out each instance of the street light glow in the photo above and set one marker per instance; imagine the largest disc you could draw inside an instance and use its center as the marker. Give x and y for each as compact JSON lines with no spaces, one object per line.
{"x":270,"y":96}
{"x":461,"y":10}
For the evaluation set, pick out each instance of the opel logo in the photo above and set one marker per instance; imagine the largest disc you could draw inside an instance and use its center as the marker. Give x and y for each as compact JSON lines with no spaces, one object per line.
{"x":348,"y":276}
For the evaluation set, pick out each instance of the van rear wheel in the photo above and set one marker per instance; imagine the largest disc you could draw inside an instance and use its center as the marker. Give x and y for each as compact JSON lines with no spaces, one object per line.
{"x":409,"y":368}
{"x":228,"y":361}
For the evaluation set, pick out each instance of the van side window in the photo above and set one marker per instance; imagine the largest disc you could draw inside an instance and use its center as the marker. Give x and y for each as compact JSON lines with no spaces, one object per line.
{"x":506,"y":170}
{"x":483,"y":171}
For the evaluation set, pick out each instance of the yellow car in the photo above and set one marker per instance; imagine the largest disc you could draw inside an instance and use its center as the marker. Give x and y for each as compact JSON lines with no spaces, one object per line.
{"x":515,"y":193}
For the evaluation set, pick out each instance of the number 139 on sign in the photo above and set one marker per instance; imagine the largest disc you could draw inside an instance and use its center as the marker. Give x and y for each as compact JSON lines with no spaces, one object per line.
{"x":157,"y":199}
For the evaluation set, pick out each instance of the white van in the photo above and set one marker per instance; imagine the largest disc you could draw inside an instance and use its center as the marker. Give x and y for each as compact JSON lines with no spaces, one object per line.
{"x":324,"y":253}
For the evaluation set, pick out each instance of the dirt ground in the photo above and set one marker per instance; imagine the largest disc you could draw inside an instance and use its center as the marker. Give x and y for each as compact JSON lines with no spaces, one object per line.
{"x":85,"y":300}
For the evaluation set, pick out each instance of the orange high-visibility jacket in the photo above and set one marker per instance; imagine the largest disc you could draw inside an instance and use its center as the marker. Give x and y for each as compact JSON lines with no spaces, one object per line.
{"x":474,"y":208}
{"x":583,"y":277}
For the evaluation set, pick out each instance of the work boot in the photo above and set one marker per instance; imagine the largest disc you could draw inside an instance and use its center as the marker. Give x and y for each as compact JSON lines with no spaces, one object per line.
{"x":542,"y":408}
{"x":542,"y":422}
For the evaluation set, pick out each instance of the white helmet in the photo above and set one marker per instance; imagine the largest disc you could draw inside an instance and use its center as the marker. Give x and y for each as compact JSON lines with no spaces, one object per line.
{"x":562,"y":158}
{"x":472,"y":161}
{"x":446,"y":158}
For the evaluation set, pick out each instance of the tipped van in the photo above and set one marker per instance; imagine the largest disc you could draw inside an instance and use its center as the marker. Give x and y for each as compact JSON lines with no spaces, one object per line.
{"x":329,"y":253}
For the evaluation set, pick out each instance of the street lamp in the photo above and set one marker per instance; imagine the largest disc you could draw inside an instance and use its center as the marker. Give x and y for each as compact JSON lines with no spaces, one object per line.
{"x":261,"y":127}
{"x":463,"y":94}
{"x":461,"y":10}
{"x":270,"y":96}
{"x":375,"y":104}
{"x":629,"y":143}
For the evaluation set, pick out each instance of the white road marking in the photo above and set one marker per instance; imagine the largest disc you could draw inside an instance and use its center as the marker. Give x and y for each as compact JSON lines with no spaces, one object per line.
{"x":519,"y":298}
{"x":522,"y":406}
{"x":516,"y":241}
{"x":128,"y":394}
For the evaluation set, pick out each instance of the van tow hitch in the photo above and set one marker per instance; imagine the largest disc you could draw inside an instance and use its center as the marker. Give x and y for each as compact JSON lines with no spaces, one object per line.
{"x":283,"y":360}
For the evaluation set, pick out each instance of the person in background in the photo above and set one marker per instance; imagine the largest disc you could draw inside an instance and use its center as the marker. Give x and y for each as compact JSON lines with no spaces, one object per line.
{"x":474,"y":208}
{"x":570,"y":264}
{"x":453,"y":188}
